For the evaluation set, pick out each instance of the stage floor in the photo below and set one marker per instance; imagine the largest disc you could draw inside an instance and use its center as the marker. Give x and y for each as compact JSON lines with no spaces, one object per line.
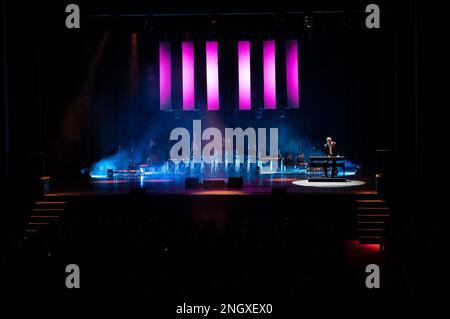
{"x":175,"y":184}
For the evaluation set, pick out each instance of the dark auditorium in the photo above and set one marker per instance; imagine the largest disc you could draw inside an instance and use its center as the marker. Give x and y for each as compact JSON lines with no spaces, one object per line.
{"x":224,"y":159}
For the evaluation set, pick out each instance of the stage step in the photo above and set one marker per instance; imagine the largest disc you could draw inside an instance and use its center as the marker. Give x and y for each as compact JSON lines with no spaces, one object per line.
{"x":372,"y":203}
{"x":44,"y":213}
{"x":48,"y":209}
{"x":371,"y":225}
{"x":371,"y":217}
{"x":374,"y":209}
{"x":362,"y":232}
{"x":369,"y":239}
{"x":50,"y":203}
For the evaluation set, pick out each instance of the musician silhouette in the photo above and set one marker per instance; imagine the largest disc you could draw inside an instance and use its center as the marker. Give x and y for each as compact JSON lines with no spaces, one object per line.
{"x":331,"y":149}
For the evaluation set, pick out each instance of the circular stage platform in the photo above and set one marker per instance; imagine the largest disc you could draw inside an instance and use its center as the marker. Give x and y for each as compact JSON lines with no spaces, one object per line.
{"x":348,"y":183}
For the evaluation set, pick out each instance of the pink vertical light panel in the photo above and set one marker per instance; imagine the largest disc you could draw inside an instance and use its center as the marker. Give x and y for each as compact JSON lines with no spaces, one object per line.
{"x":244,"y":75}
{"x":293,"y":95}
{"x":270,"y":96}
{"x":165,"y":76}
{"x":187,"y":60}
{"x":212,"y":76}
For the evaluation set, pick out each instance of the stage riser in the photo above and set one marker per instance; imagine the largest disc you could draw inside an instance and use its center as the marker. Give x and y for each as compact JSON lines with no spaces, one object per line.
{"x":327,"y":180}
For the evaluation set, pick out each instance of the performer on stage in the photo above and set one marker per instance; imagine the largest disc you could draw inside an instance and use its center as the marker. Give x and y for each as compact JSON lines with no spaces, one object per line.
{"x":331,"y":149}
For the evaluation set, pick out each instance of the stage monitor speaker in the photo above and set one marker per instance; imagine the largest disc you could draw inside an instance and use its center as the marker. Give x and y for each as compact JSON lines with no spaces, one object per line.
{"x":192,"y":183}
{"x":213,"y":183}
{"x":279,"y":190}
{"x":235,"y":182}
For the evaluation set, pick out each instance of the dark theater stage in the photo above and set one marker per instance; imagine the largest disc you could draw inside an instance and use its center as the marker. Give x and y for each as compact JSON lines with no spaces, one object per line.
{"x":223,"y":152}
